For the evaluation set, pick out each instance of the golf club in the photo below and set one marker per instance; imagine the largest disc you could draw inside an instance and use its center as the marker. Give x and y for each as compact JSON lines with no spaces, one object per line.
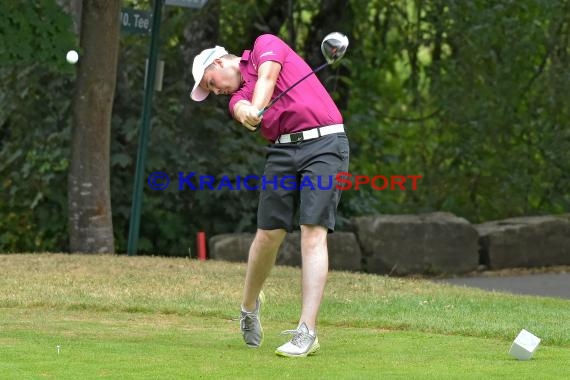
{"x":333,"y":48}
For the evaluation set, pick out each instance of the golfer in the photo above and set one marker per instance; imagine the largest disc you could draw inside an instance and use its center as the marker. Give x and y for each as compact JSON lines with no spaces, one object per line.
{"x":306,"y":134}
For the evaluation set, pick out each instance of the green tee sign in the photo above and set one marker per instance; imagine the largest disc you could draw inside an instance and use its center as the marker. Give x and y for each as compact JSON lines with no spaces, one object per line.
{"x":134,"y":21}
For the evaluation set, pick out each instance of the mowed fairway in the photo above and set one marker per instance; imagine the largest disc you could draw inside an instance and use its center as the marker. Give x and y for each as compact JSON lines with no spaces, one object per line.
{"x":162,"y":318}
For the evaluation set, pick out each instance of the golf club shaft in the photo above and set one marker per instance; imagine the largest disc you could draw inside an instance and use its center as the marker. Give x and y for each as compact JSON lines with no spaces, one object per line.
{"x":314,"y":71}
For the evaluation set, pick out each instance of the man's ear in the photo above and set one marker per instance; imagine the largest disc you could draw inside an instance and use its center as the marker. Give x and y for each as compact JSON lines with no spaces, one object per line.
{"x":219,"y":62}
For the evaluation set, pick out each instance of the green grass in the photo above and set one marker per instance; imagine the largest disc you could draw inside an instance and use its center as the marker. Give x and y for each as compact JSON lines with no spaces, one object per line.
{"x":157,"y":318}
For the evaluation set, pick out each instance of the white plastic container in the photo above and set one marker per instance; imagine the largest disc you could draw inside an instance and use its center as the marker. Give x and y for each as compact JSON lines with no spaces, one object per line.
{"x":524,"y":345}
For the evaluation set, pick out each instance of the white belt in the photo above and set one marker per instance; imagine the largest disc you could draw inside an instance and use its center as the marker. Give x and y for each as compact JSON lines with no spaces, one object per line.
{"x":310,"y":134}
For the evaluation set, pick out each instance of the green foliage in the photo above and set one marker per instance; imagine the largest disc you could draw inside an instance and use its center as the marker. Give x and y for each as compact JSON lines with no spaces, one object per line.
{"x":35,"y":98}
{"x":35,"y":32}
{"x":463,"y":94}
{"x":34,"y":157}
{"x":471,"y":95}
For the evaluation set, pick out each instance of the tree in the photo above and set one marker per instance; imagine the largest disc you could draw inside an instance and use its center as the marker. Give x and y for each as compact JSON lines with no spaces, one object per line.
{"x":469,"y":94}
{"x":89,"y":194}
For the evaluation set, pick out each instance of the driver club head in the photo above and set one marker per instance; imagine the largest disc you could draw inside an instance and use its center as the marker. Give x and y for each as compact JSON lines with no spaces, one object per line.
{"x":334,"y":46}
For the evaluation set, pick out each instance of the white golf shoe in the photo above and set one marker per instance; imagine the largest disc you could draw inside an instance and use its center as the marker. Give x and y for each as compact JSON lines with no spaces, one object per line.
{"x":301,"y":345}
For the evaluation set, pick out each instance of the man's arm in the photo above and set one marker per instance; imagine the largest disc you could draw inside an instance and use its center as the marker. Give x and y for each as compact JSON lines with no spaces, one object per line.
{"x":267,"y":75}
{"x":246,"y":112}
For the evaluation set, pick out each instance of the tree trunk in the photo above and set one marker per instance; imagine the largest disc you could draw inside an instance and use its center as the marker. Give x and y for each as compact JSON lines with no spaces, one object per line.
{"x":89,"y":195}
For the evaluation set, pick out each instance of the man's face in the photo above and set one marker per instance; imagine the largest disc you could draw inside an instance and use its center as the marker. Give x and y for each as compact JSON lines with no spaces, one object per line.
{"x":221,"y":79}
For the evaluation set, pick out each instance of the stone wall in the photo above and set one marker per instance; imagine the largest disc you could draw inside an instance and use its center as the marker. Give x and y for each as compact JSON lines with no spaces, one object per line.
{"x":435,"y":243}
{"x":525,"y":242}
{"x":344,"y":250}
{"x":406,"y":244}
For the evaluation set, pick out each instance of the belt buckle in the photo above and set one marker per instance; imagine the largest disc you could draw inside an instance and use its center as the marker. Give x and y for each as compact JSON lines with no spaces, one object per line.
{"x":296,"y":137}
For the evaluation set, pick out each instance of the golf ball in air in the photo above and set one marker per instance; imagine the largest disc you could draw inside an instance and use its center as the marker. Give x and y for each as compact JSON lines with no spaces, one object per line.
{"x":72,"y":56}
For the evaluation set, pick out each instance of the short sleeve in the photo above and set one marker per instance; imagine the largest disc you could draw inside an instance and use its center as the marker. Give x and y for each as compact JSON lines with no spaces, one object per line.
{"x":268,"y":48}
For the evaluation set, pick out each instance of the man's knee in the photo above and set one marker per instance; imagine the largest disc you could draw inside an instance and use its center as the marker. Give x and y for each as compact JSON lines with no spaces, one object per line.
{"x":313,"y":236}
{"x":270,"y":238}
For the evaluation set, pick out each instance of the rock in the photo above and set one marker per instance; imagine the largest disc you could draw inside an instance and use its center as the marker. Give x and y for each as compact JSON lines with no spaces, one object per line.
{"x":230,"y":247}
{"x":290,"y":251}
{"x":436,"y":243}
{"x":525,"y":242}
{"x":344,"y":252}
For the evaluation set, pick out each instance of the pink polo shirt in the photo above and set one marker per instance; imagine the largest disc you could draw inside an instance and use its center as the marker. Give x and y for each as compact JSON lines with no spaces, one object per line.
{"x":306,"y":106}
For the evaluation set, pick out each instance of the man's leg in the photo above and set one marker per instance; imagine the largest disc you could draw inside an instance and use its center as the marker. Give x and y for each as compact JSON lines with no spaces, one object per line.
{"x":314,"y":270}
{"x":320,"y":161}
{"x":262,"y":255}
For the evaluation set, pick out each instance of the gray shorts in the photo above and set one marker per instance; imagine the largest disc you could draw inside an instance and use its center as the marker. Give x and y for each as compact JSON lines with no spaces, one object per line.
{"x":302,"y":176}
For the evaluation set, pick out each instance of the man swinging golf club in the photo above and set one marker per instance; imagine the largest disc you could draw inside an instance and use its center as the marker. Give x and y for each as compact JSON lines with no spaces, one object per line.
{"x":307,"y":139}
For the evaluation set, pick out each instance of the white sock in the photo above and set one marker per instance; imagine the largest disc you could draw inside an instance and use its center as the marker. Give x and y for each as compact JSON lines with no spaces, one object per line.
{"x":254,"y":310}
{"x":245,"y":311}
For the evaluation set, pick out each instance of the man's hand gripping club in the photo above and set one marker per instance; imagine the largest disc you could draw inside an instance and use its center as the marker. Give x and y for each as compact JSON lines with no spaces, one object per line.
{"x":247,"y":115}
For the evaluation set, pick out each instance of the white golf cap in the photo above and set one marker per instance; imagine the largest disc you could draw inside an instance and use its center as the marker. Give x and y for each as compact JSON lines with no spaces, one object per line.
{"x":201,"y":61}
